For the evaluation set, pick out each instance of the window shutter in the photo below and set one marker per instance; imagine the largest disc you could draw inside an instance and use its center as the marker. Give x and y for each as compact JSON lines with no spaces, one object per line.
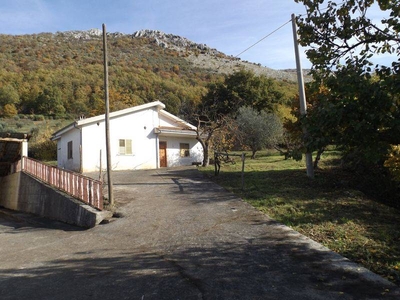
{"x":128,"y":147}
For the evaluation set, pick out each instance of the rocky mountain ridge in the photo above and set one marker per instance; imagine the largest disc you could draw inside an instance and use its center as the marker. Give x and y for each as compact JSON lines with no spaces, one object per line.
{"x":200,"y":55}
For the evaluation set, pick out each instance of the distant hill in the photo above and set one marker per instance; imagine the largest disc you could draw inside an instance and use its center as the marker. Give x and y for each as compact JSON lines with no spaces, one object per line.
{"x":62,"y":73}
{"x":200,"y":55}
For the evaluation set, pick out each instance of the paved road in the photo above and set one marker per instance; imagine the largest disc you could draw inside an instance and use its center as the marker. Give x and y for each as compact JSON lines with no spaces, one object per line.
{"x":180,"y":237}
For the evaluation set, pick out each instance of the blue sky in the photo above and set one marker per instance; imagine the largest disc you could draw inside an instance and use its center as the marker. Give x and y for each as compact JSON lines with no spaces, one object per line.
{"x":230,"y":26}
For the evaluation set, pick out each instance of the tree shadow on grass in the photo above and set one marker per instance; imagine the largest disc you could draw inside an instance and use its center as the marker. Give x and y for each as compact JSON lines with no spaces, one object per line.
{"x":327,"y":196}
{"x":329,"y":206}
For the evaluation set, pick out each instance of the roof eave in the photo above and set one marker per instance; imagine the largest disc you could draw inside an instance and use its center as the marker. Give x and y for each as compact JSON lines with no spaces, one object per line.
{"x":175,"y":132}
{"x":121,"y":112}
{"x":57,"y":134}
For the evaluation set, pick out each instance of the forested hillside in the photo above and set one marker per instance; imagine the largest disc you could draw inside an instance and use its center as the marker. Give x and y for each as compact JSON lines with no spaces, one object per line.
{"x":61,"y":75}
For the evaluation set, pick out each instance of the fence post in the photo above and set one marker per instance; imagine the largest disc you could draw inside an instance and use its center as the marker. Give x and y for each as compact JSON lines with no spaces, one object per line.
{"x":243,"y":159}
{"x":90,"y":192}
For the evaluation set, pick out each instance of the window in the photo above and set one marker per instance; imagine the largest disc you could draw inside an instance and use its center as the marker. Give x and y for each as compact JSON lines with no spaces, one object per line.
{"x":184,"y":150}
{"x":69,"y":150}
{"x":125,"y":147}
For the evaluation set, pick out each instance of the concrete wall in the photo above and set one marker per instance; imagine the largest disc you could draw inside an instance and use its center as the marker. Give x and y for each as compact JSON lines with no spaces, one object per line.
{"x":22,"y":192}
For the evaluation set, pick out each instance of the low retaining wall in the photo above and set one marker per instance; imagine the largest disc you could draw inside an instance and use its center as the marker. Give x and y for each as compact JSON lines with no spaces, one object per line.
{"x":24,"y":193}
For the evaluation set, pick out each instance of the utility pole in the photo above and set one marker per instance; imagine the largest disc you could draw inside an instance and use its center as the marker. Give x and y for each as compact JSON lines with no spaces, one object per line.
{"x":107,"y":119}
{"x":302,"y":94}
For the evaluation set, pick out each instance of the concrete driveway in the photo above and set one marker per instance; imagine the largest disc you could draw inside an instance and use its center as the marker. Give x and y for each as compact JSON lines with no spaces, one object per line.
{"x":180,"y":237}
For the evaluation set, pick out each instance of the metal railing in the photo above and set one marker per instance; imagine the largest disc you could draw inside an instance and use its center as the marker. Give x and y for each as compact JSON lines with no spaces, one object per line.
{"x":84,"y":188}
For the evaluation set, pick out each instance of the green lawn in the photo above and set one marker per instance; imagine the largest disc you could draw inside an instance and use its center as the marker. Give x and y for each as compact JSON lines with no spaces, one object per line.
{"x":325,"y":209}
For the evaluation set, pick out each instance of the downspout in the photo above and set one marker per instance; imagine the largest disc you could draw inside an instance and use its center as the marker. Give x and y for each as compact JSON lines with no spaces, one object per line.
{"x":80,"y":147}
{"x":157,"y":138}
{"x":157,"y":152}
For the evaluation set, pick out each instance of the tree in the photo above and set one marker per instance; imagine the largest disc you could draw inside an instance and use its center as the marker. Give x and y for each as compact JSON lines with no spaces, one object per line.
{"x":9,"y":111}
{"x":206,"y":129}
{"x":240,"y":89}
{"x":258,"y":130}
{"x":224,"y":98}
{"x":8,"y":95}
{"x":344,"y":34}
{"x":360,"y":107}
{"x":49,"y":102}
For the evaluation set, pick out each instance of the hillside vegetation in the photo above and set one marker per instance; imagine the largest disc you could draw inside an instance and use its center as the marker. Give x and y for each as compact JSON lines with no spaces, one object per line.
{"x":61,"y":75}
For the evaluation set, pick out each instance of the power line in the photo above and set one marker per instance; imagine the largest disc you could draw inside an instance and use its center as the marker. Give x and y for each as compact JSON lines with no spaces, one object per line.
{"x":259,"y":41}
{"x":280,"y":27}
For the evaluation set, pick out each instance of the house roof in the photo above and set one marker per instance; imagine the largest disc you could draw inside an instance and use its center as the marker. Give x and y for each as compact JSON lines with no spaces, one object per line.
{"x":82,"y":122}
{"x":122,"y":112}
{"x":181,"y":124}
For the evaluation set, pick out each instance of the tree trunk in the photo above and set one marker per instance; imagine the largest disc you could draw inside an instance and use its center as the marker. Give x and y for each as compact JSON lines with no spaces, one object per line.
{"x":206,"y":155}
{"x":318,"y":157}
{"x":206,"y":158}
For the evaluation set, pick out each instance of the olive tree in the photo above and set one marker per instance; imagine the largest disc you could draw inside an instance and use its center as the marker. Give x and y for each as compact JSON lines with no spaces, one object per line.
{"x":258,"y":130}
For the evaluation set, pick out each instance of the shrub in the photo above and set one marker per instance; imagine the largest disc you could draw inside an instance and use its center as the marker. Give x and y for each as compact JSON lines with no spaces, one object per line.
{"x":38,"y":118}
{"x":9,"y":111}
{"x":44,"y":151}
{"x":393,"y":163}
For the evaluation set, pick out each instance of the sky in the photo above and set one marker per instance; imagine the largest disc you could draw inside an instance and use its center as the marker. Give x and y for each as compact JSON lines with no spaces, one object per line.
{"x":230,"y":26}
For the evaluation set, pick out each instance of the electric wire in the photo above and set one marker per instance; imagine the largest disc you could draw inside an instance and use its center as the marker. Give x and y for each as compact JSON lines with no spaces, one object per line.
{"x":274,"y":31}
{"x":265,"y":37}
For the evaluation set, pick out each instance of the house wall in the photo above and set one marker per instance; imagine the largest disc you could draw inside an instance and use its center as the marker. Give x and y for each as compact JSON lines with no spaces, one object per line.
{"x":93,"y":145}
{"x":138,"y":127}
{"x":173,"y":145}
{"x":63,"y":161}
{"x":165,"y":121}
{"x":173,"y":151}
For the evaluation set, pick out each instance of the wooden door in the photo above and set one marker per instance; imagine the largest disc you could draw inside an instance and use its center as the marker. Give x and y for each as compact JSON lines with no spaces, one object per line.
{"x":163,"y":154}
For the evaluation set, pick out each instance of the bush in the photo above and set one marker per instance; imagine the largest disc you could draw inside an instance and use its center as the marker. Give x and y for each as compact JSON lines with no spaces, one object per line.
{"x":393,"y":163}
{"x":9,"y":111}
{"x":44,"y":151}
{"x":38,"y":118}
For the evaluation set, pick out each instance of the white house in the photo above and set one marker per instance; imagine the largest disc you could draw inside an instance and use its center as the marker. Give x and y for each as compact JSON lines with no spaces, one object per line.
{"x":141,"y":137}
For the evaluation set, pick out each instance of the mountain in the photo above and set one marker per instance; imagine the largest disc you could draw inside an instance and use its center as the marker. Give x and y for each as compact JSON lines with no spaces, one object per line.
{"x":61,"y":73}
{"x":200,"y":55}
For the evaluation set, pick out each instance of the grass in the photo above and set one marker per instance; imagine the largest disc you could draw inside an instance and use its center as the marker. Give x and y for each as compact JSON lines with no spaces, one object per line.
{"x":27,"y":124}
{"x":326,"y":209}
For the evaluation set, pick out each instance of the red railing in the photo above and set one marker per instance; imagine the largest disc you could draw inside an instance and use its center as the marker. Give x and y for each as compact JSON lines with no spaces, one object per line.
{"x":81,"y":187}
